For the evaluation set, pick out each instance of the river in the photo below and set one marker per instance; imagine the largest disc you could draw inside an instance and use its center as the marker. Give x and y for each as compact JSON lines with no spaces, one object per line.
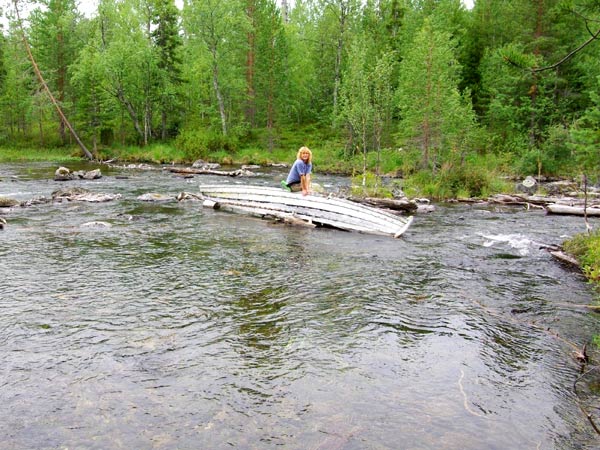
{"x":179,"y":327}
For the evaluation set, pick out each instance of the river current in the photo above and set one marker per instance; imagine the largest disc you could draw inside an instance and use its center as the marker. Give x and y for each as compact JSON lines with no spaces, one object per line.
{"x":169,"y":326}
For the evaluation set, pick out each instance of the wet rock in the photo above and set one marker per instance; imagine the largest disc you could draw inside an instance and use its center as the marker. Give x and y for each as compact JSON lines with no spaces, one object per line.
{"x":69,"y":192}
{"x":82,"y":195}
{"x":561,"y":188}
{"x":63,"y":174}
{"x":201,"y":164}
{"x":155,"y":197}
{"x":527,"y":186}
{"x":426,"y":209}
{"x":96,"y":224}
{"x":2,"y":223}
{"x":36,"y":201}
{"x":250,"y":166}
{"x":6,"y":202}
{"x":89,"y":175}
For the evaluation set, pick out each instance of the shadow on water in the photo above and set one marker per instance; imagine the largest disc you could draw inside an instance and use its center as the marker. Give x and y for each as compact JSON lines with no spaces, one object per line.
{"x":165,"y":325}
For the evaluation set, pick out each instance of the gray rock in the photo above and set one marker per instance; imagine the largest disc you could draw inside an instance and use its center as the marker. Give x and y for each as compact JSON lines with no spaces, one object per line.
{"x":155,"y":197}
{"x":96,"y":224}
{"x":63,"y":174}
{"x":6,"y":202}
{"x":201,"y":164}
{"x":92,"y":174}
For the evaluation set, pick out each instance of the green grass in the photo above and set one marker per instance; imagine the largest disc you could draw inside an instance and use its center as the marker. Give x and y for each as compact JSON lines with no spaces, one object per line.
{"x":586,"y":248}
{"x":39,"y":154}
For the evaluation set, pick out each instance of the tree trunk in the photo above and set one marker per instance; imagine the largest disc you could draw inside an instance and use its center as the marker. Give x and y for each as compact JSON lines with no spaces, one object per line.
{"x":215,"y":70}
{"x":344,"y":7}
{"x":40,"y":119}
{"x":163,"y":123}
{"x":60,"y":84}
{"x":251,"y":94}
{"x":38,"y":73}
{"x":533,"y":90}
{"x":131,"y":111}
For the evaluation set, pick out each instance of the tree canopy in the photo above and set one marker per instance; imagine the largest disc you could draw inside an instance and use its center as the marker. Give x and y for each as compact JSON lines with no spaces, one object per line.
{"x":430,"y":77}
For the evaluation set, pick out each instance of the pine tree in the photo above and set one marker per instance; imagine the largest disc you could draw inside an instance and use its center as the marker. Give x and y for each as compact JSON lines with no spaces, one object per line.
{"x":434,"y":115}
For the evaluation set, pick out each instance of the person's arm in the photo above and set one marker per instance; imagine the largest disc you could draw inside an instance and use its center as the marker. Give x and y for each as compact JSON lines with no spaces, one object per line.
{"x":305,"y":184}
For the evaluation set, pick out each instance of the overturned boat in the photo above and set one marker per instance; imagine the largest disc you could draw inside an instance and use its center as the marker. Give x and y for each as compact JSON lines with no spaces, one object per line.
{"x":311,"y":209}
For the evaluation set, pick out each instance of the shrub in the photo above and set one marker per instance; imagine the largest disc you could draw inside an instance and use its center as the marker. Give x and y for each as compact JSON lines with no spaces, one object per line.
{"x":373,"y":186}
{"x":201,"y":143}
{"x":586,"y":248}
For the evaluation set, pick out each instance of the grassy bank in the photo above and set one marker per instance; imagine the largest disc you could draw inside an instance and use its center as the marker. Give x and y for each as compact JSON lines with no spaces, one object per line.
{"x":476,"y":176}
{"x":58,"y":155}
{"x":585,"y":247}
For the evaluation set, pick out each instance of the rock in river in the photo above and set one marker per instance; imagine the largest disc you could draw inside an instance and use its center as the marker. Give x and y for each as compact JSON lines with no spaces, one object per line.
{"x":6,"y":202}
{"x":154,"y":197}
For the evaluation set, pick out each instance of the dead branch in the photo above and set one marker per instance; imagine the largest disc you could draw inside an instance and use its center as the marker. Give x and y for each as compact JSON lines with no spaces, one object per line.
{"x":45,"y":85}
{"x":191,"y":170}
{"x":585,"y":412}
{"x":593,"y":37}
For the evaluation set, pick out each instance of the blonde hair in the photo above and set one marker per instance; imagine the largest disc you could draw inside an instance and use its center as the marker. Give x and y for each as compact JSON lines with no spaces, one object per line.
{"x":302,"y":150}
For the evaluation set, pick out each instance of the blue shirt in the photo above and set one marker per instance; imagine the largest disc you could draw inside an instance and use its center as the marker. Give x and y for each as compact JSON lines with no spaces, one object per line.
{"x":298,"y":169}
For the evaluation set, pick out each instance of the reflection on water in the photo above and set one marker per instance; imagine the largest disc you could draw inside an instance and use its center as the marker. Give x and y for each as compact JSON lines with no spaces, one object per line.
{"x":177,"y":327}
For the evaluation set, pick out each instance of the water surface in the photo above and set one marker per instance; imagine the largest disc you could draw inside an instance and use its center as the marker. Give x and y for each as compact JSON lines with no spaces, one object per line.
{"x":179,"y":327}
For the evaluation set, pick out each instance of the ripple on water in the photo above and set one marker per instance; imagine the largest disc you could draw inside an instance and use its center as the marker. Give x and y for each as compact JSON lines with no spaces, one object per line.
{"x":180,"y":327}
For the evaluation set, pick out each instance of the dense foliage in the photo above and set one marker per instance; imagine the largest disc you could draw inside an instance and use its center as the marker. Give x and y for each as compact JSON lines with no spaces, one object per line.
{"x":586,"y":248}
{"x":426,"y":89}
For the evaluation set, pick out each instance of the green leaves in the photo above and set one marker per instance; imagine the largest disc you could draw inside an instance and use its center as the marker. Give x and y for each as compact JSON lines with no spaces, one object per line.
{"x":434,"y":115}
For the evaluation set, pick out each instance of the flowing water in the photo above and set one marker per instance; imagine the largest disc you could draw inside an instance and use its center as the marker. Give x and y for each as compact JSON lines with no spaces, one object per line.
{"x":178,"y":327}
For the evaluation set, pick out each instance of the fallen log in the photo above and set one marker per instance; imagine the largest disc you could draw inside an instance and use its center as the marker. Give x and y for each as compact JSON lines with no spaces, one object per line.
{"x":564,"y":257}
{"x":572,"y":210}
{"x":230,"y":173}
{"x":389,"y":203}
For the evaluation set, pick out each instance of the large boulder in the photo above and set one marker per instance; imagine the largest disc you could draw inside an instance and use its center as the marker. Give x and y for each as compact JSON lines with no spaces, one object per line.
{"x":90,"y":174}
{"x":527,"y":186}
{"x":63,"y":174}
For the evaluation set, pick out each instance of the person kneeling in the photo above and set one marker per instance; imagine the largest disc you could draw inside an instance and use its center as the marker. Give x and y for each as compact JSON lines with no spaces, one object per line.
{"x":299,"y":177}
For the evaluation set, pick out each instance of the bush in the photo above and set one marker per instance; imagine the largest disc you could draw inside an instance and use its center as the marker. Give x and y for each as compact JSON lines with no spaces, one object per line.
{"x":553,"y":157}
{"x":373,"y":186}
{"x":201,"y":143}
{"x":586,"y":248}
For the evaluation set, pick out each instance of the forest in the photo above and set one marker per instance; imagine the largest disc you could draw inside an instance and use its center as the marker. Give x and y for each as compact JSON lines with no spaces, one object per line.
{"x":428,"y":90}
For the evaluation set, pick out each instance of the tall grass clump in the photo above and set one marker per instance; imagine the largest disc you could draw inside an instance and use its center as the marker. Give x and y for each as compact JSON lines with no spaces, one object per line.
{"x":585,"y":247}
{"x":473,"y":177}
{"x":153,"y":153}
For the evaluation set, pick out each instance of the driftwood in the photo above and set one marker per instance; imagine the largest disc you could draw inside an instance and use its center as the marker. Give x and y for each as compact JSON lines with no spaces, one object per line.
{"x":389,"y":203}
{"x":564,"y":257}
{"x":552,"y":205}
{"x":193,"y":171}
{"x":524,"y":200}
{"x":573,"y":210}
{"x":188,"y":196}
